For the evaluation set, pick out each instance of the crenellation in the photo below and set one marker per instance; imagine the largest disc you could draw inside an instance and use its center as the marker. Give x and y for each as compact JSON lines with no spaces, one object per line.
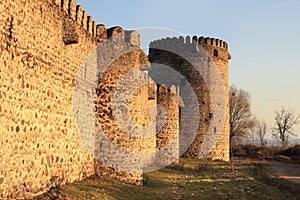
{"x":201,"y":40}
{"x":175,"y":40}
{"x":57,"y":2}
{"x":132,"y":37}
{"x":84,"y":20}
{"x":207,"y":40}
{"x":94,"y":25}
{"x":204,"y":41}
{"x":152,"y":44}
{"x":114,"y":31}
{"x":217,"y":42}
{"x":90,"y":25}
{"x":163,"y":91}
{"x":65,"y":6}
{"x":194,"y":39}
{"x":188,"y":40}
{"x":72,"y":9}
{"x":181,"y":39}
{"x":79,"y":14}
{"x":173,"y":90}
{"x":168,"y":41}
{"x":76,"y":13}
{"x":221,"y":43}
{"x":101,"y":33}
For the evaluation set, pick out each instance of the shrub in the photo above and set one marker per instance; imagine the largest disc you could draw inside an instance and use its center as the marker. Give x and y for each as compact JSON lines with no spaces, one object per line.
{"x":293,"y":152}
{"x":252,"y":151}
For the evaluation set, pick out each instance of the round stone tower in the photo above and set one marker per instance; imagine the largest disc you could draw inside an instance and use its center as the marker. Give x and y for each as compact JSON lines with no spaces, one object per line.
{"x":218,"y":51}
{"x":198,"y":67}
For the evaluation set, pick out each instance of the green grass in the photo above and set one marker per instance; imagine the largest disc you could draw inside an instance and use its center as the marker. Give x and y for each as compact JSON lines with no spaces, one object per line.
{"x":189,"y":179}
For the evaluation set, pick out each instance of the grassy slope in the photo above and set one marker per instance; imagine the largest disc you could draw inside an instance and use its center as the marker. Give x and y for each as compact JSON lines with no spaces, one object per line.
{"x":190,"y":179}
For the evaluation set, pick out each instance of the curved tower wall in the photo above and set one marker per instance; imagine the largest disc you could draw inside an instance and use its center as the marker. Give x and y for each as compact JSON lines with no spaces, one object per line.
{"x":184,"y":56}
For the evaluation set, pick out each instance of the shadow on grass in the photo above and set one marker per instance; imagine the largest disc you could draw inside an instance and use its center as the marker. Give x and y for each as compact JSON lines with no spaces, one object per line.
{"x":260,"y":172}
{"x":188,"y":179}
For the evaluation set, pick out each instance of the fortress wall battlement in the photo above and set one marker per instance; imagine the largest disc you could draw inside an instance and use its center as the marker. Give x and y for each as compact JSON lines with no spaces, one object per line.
{"x":76,"y":13}
{"x":97,"y":31}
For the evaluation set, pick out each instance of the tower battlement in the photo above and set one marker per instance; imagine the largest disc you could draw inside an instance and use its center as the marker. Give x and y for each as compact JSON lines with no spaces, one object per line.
{"x":204,"y":41}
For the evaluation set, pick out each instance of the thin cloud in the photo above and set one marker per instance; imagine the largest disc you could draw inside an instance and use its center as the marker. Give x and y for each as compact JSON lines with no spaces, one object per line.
{"x":274,"y":99}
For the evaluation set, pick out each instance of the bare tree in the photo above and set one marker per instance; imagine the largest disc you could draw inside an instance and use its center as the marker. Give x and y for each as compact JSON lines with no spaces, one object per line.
{"x":241,"y":120}
{"x":260,"y":131}
{"x":285,"y":120}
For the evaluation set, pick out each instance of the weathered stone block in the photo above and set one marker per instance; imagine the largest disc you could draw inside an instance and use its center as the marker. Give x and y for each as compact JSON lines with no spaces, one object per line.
{"x":101,"y":33}
{"x":70,"y":31}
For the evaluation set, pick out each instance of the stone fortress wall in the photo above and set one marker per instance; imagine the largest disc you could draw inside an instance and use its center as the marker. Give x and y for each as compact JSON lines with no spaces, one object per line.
{"x":126,"y":129}
{"x":43,"y":45}
{"x":39,"y":144}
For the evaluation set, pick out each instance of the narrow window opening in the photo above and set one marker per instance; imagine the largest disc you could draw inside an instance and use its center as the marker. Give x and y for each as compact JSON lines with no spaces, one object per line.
{"x":216,"y":53}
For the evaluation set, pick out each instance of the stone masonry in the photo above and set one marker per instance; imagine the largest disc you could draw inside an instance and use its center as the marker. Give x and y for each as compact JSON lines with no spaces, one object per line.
{"x":39,"y":144}
{"x":44,"y":46}
{"x":167,"y":124}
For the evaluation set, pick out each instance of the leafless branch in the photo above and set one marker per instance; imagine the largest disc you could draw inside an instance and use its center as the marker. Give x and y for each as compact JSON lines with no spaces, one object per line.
{"x":285,"y":120}
{"x":241,"y":121}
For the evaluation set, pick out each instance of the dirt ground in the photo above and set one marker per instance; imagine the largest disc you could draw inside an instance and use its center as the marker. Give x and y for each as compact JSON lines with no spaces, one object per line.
{"x":288,"y":171}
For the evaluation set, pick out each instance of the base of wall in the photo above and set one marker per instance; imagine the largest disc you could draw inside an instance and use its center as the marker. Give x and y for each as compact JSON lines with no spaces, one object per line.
{"x":132,"y":178}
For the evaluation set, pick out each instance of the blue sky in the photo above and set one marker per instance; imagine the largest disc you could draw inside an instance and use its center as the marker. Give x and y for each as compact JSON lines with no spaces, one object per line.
{"x":263,"y":38}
